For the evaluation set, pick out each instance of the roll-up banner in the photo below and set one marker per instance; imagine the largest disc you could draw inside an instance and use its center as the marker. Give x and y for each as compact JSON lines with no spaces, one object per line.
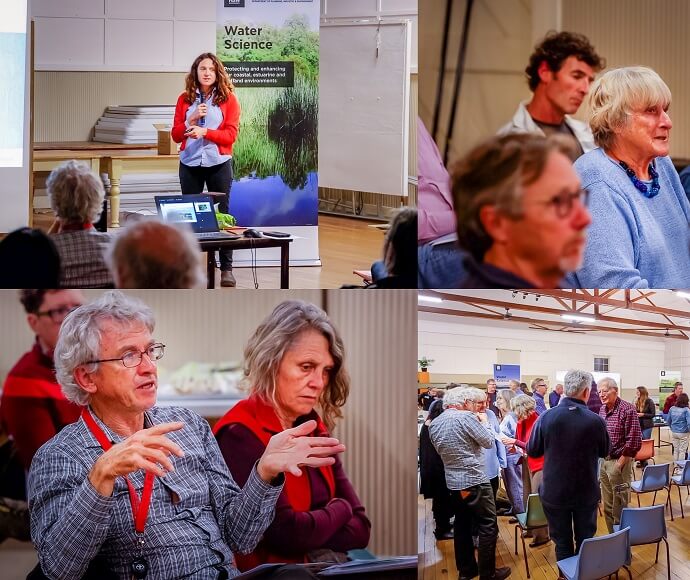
{"x":270,"y":49}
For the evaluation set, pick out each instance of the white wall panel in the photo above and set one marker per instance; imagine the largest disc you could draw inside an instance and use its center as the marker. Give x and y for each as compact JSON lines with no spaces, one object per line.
{"x":349,"y":8}
{"x":68,"y":8}
{"x":390,"y":6}
{"x":69,"y":40}
{"x":136,"y":9}
{"x":186,"y":10}
{"x":463,"y":347}
{"x":191,"y":39}
{"x":139,"y":42}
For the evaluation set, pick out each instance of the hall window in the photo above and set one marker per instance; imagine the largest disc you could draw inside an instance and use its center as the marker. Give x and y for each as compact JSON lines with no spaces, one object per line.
{"x":601,"y":364}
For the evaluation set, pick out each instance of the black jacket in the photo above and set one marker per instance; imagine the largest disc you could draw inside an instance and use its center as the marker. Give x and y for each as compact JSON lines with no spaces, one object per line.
{"x":572,"y":439}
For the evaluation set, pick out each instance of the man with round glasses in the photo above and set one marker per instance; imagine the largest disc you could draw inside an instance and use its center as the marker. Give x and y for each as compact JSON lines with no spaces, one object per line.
{"x":142,"y":491}
{"x":521,"y":213}
{"x":33,"y":408}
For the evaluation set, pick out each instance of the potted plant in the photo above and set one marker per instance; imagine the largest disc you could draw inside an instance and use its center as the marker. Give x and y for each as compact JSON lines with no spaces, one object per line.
{"x":424,"y":363}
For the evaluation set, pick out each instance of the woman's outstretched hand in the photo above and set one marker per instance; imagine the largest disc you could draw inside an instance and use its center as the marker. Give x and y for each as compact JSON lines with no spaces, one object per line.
{"x":289,"y":450}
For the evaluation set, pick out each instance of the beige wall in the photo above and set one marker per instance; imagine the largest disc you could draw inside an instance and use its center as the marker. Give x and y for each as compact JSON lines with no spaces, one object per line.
{"x":502,"y":35}
{"x":378,"y":425}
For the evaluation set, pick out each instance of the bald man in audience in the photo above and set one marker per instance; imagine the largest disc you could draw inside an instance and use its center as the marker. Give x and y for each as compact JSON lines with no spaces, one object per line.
{"x":151,"y":254}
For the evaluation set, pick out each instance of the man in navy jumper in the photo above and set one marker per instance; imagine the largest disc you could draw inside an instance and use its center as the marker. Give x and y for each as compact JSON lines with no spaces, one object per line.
{"x":572,"y":439}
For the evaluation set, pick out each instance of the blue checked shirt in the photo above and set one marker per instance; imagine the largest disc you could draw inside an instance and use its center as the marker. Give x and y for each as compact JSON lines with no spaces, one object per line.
{"x":198,"y":514}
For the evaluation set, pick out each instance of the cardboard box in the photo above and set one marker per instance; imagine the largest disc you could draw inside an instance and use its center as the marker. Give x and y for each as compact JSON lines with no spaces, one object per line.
{"x":166,"y":145}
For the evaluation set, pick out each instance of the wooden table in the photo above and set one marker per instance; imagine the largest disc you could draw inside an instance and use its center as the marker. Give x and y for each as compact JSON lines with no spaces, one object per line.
{"x":135,"y":161}
{"x":211,"y":246}
{"x":113,"y":161}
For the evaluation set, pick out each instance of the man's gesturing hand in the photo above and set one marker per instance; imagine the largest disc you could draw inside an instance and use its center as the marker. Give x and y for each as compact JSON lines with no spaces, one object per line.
{"x":290,"y":449}
{"x":143,"y":450}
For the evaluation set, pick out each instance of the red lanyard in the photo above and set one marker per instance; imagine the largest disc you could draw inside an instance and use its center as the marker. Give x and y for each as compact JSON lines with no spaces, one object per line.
{"x":140,"y":509}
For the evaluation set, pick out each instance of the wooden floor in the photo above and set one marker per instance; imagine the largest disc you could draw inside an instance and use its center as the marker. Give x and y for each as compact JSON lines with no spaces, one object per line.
{"x":437,"y":561}
{"x":345,"y":244}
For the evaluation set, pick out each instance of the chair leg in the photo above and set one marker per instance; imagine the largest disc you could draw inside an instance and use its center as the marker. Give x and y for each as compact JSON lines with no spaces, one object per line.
{"x":654,"y":499}
{"x":668,"y":559}
{"x":669,"y":502}
{"x":638,"y":500}
{"x":524,"y":551}
{"x":516,"y":531}
{"x":680,"y":501}
{"x":656,"y":560}
{"x":628,"y":571}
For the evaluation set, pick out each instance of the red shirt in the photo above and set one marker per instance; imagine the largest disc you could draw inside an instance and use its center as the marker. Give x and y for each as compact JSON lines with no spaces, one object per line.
{"x":522,"y":433}
{"x":33,"y":408}
{"x":224,"y":136}
{"x":670,"y":401}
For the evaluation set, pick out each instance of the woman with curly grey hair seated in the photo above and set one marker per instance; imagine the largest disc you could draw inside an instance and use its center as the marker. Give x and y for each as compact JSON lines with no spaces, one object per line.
{"x":639,"y":235}
{"x":76,"y":196}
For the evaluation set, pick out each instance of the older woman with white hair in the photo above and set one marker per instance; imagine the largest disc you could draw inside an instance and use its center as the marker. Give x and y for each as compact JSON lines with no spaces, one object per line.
{"x":512,"y":473}
{"x":76,"y":196}
{"x":640,"y":234}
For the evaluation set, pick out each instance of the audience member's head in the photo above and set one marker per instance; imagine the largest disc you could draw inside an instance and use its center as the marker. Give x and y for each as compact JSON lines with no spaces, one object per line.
{"x":577,"y":384}
{"x":455,"y":399}
{"x":151,"y":254}
{"x":434,"y":412}
{"x":400,"y":246}
{"x":514,"y":385}
{"x":608,"y":391}
{"x":523,"y":406}
{"x":558,"y":388}
{"x":76,"y":193}
{"x":615,"y":98}
{"x":539,"y":386}
{"x":682,"y":400}
{"x":562,"y":67}
{"x":45,"y":311}
{"x":520,"y":208}
{"x":503,"y":399}
{"x":678,"y":388}
{"x":28,"y":259}
{"x":491,"y":386}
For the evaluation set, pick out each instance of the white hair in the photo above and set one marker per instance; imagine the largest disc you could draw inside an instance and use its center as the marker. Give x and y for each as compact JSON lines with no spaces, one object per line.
{"x":76,"y":193}
{"x":576,"y":382}
{"x":80,"y":337}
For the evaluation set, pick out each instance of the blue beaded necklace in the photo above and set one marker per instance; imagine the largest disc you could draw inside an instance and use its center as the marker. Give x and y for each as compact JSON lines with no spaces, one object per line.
{"x":647,"y":192}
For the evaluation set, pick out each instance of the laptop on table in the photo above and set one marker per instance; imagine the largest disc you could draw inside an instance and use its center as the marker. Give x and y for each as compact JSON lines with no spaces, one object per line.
{"x":195,"y":210}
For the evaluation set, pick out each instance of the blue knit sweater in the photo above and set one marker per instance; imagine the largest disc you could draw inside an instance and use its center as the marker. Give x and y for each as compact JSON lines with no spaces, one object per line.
{"x":633,"y":241}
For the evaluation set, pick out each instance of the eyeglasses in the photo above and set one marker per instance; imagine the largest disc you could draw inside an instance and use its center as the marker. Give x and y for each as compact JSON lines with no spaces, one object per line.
{"x":563,"y":202}
{"x":58,"y":314}
{"x":133,"y":358}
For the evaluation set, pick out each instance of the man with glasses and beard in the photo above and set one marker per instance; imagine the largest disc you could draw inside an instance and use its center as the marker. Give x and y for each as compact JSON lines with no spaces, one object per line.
{"x":33,"y":408}
{"x":521,"y":213}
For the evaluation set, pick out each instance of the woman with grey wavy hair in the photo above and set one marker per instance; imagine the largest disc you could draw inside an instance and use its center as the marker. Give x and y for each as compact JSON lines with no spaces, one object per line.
{"x":294,"y":365}
{"x":76,"y":196}
{"x":512,"y":473}
{"x":80,"y":337}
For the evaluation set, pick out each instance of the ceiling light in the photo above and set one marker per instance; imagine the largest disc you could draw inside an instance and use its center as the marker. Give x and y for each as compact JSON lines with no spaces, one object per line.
{"x":578,"y":318}
{"x":425,"y":298}
{"x":683,"y":294}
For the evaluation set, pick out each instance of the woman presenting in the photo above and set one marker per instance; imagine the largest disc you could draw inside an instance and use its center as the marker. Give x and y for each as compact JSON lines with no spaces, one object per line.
{"x":294,"y":364}
{"x":207,"y":120}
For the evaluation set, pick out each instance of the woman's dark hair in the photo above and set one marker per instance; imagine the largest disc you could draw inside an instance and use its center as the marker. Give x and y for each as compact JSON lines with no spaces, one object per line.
{"x":223,"y":85}
{"x":435,"y":411}
{"x":682,"y":400}
{"x":400,"y":245}
{"x":555,"y":48}
{"x":29,"y":259}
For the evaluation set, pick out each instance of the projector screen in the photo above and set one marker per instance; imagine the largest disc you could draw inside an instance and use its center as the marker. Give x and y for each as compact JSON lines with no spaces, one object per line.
{"x":14,"y":115}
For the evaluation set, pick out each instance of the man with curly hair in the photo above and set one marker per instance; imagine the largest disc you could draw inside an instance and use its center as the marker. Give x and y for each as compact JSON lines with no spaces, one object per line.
{"x":559,"y":73}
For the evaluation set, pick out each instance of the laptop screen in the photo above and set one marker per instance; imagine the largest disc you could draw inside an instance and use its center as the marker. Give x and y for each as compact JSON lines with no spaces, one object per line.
{"x":195,"y":210}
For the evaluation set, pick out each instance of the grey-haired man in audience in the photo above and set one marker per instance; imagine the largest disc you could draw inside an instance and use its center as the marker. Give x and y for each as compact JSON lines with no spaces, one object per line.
{"x":460,"y":437}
